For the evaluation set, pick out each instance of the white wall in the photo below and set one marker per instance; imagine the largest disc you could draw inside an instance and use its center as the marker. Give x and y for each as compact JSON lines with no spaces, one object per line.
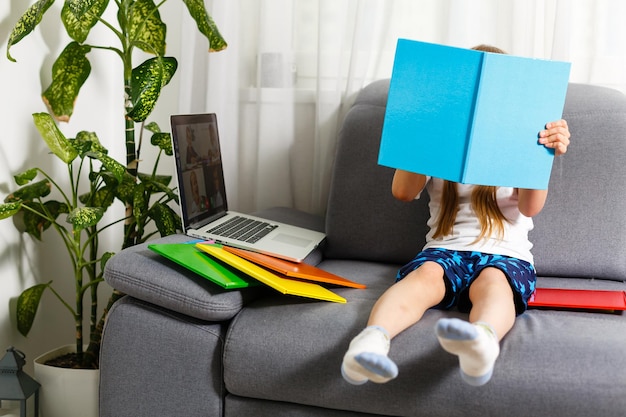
{"x":24,"y":262}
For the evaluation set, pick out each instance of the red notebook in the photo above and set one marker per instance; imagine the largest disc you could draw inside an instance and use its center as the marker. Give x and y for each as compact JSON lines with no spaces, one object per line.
{"x":578,"y":299}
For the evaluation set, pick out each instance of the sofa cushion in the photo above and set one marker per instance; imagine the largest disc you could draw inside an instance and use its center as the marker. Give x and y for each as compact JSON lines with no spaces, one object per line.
{"x":586,"y":200}
{"x":363,"y":220}
{"x":290,"y":350}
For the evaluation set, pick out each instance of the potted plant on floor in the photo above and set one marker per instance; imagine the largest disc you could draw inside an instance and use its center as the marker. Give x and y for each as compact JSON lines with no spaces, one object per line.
{"x":77,"y":217}
{"x":94,"y":179}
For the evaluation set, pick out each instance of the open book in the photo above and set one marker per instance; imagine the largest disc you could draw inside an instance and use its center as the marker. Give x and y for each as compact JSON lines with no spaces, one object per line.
{"x":470,"y":116}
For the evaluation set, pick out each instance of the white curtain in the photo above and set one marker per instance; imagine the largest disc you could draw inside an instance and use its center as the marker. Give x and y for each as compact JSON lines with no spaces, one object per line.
{"x":293,"y":67}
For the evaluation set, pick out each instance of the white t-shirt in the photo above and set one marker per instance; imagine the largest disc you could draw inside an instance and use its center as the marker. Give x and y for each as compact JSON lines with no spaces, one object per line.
{"x":466,"y":228}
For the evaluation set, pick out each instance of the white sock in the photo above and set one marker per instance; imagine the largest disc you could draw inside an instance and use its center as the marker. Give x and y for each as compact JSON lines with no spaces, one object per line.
{"x":476,"y":345}
{"x":366,"y":358}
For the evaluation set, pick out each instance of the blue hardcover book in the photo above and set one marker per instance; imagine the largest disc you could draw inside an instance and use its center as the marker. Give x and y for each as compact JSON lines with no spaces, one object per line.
{"x":471,"y":116}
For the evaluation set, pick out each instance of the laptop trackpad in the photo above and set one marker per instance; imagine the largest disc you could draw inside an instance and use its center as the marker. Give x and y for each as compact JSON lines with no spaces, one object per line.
{"x":291,"y":240}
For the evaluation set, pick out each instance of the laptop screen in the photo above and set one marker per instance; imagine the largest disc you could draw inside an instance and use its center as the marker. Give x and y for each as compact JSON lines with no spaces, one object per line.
{"x":199,"y":170}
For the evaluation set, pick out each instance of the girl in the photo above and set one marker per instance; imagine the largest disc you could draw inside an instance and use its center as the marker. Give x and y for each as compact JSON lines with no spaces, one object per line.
{"x":477,"y":257}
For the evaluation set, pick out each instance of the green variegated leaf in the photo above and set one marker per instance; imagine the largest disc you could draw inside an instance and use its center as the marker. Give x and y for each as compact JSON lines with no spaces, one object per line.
{"x":84,"y":217}
{"x":9,"y":209}
{"x":34,"y":224}
{"x":87,"y":142}
{"x":152,"y":127}
{"x":30,"y":192}
{"x":103,"y":197}
{"x":105,"y":258}
{"x":27,"y":304}
{"x":164,"y":141}
{"x":117,"y":169}
{"x":113,"y":181}
{"x":56,"y":141}
{"x":27,"y":23}
{"x":145,"y":28}
{"x":167,"y":222}
{"x":56,"y":208}
{"x":146,"y":83}
{"x":206,"y":25}
{"x":69,"y":73}
{"x":140,"y":208}
{"x":159,"y":179}
{"x":140,"y":203}
{"x":25,"y":177}
{"x":79,"y":16}
{"x":159,"y":184}
{"x":79,"y":7}
{"x":125,"y":189}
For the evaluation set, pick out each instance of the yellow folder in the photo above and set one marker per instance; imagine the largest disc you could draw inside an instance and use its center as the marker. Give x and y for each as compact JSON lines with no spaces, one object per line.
{"x":284,"y":285}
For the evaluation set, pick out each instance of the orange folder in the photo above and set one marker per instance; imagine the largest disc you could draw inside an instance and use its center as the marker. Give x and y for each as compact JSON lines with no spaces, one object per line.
{"x":279,"y":283}
{"x":578,"y":299}
{"x":292,"y":269}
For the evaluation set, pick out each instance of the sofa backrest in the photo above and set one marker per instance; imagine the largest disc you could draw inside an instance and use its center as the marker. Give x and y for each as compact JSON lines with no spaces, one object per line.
{"x":581,"y":231}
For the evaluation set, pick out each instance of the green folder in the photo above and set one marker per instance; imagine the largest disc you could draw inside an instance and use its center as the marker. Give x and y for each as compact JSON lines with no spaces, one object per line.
{"x":195,"y":260}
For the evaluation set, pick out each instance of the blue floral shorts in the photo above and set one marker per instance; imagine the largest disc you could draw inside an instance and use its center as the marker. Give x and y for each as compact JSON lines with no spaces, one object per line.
{"x":462,"y":267}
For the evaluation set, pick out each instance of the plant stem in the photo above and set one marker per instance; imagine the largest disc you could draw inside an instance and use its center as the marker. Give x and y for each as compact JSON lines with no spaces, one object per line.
{"x":78,"y":277}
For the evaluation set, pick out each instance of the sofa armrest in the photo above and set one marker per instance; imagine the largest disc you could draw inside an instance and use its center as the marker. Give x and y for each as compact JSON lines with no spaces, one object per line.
{"x":147,"y":276}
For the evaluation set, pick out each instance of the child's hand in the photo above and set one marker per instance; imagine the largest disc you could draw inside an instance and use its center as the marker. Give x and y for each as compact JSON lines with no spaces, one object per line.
{"x":556,"y":136}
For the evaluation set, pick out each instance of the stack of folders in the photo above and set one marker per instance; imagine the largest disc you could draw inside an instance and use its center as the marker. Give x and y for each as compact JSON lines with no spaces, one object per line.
{"x":233,"y":268}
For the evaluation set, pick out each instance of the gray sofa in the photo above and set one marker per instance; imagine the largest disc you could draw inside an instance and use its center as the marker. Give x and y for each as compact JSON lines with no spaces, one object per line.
{"x":177,"y":345}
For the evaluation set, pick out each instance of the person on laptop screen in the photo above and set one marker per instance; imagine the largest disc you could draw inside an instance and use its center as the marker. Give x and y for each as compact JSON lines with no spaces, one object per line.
{"x":199,"y":201}
{"x":216,"y":198}
{"x":477,"y":257}
{"x":192,"y":157}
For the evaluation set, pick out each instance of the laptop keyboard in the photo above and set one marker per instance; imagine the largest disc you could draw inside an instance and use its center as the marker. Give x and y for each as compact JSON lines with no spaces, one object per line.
{"x":244,"y":229}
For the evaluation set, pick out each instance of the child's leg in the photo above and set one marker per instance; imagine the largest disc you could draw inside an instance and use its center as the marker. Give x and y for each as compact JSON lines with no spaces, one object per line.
{"x":492,"y":301}
{"x":401,"y":306}
{"x":492,"y":316}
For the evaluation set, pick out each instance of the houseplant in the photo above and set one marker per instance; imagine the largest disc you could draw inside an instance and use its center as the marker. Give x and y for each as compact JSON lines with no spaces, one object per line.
{"x":140,"y":31}
{"x":75,"y":213}
{"x":45,"y":204}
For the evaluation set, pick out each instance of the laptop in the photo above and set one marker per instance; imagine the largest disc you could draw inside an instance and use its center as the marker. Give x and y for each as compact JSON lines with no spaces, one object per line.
{"x":203,"y":203}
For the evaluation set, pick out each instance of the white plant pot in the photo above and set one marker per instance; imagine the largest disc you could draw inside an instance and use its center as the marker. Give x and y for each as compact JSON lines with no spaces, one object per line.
{"x":66,"y":392}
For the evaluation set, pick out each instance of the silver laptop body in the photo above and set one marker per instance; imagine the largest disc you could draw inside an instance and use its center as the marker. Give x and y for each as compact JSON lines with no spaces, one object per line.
{"x":203,"y":204}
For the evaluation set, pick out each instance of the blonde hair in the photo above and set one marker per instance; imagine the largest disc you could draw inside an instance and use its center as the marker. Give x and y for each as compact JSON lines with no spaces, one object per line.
{"x":484,"y":204}
{"x":483,"y":200}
